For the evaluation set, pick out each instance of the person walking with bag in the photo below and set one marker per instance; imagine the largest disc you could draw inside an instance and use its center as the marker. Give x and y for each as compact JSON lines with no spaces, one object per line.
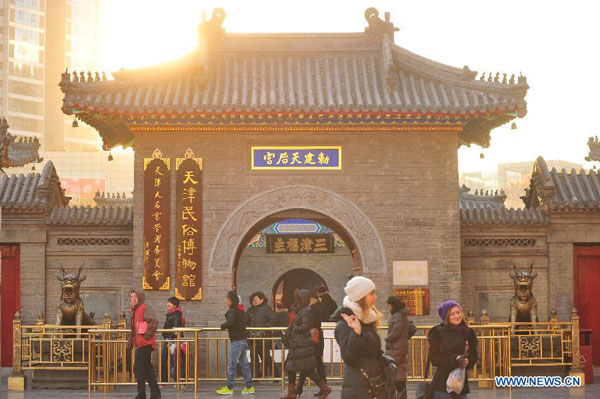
{"x":316,"y":334}
{"x":396,"y":342}
{"x":452,"y":345}
{"x":301,"y":357}
{"x":235,"y":325}
{"x":143,"y":338}
{"x":360,"y":344}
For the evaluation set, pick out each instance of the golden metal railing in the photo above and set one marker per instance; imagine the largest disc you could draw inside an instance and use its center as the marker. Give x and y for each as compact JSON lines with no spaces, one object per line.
{"x":200,"y":354}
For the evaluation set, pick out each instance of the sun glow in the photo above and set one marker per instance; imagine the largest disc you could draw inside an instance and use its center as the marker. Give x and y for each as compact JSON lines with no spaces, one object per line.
{"x":549,"y":44}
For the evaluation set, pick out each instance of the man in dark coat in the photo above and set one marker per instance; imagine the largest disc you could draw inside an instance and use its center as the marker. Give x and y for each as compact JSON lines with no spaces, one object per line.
{"x":396,"y":342}
{"x":260,"y":314}
{"x":315,"y":307}
{"x":235,"y":325}
{"x":327,"y":305}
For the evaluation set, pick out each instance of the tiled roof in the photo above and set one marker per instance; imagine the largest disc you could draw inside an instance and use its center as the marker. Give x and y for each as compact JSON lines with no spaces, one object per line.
{"x":112,"y":199}
{"x":295,"y":80}
{"x":34,"y":192}
{"x":502,"y":216}
{"x":99,"y":215}
{"x":562,"y":190}
{"x":488,"y":208}
{"x":480,"y":199}
{"x":17,"y":150}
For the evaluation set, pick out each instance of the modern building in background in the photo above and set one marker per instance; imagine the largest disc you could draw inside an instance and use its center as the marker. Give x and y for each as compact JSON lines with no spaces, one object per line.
{"x":510,"y":178}
{"x":39,"y":40}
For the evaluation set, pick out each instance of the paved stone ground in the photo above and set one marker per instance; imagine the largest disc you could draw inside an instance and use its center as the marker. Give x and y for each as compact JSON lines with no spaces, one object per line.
{"x":272,"y":391}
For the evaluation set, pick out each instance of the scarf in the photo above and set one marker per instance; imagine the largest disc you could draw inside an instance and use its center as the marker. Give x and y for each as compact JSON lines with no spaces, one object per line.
{"x":369,"y":316}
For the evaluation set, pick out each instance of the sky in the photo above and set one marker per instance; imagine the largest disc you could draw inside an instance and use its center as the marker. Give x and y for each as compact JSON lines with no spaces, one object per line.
{"x":555,"y":44}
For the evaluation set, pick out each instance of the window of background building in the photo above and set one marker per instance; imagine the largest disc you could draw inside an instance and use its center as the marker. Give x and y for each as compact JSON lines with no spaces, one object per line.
{"x":29,"y":125}
{"x":26,"y":70}
{"x":25,"y":89}
{"x":25,"y":106}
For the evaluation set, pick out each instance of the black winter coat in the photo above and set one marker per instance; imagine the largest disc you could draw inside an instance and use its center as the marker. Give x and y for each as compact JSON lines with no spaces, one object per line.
{"x":235,"y":324}
{"x":173,"y":320}
{"x":446,"y":343}
{"x":301,"y":356}
{"x":358,"y":352}
{"x":260,"y":316}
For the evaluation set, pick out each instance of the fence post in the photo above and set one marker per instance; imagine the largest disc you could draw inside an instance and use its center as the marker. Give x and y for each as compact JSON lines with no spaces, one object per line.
{"x":553,"y":319}
{"x":575,"y":369}
{"x":16,"y":381}
{"x":40,"y":320}
{"x":470,"y":318}
{"x":485,"y":319}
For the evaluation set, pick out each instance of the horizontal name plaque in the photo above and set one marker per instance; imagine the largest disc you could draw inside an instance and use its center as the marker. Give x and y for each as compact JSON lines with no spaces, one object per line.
{"x":297,"y":157}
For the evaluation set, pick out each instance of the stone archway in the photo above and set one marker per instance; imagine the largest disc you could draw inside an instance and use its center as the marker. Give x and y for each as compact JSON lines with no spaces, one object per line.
{"x":342,"y":211}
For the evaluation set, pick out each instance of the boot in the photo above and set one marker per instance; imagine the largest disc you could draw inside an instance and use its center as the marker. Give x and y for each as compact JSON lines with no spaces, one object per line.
{"x":325,"y":390}
{"x":291,"y":393}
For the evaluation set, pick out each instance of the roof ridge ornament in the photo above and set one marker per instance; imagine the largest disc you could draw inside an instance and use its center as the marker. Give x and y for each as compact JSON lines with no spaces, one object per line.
{"x":378,"y":25}
{"x":210,"y":38}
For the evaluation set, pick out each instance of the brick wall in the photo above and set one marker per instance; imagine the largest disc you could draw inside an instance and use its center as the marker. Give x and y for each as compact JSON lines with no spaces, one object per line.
{"x":406,"y":183}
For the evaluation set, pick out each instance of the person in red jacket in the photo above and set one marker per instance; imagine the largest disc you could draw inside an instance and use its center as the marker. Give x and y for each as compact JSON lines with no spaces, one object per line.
{"x":143,"y":337}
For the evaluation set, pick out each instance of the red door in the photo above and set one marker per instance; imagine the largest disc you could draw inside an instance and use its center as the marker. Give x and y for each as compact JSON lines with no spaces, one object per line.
{"x":587,"y":282}
{"x":9,"y":290}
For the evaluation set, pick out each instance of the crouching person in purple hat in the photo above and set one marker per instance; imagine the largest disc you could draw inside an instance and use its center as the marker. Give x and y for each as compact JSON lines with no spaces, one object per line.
{"x":452,"y":344}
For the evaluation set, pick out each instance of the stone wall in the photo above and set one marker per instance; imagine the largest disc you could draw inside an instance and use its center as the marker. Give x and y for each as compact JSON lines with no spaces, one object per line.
{"x":107,"y":253}
{"x":405,"y":183}
{"x":488,"y":253}
{"x":31,"y":235}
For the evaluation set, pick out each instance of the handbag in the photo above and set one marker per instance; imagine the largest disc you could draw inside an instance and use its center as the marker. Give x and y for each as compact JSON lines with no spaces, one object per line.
{"x":424,"y":389}
{"x":314,"y":335}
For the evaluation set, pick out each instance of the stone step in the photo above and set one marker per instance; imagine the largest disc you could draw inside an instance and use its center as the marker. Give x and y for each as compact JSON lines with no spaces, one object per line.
{"x":59,"y":379}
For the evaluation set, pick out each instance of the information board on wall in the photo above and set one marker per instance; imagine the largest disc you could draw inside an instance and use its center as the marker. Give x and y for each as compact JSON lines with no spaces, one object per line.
{"x":416,"y":299}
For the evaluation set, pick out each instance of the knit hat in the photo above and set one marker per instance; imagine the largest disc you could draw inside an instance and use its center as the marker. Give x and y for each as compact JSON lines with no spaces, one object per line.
{"x":358,"y":287}
{"x":445,"y":307}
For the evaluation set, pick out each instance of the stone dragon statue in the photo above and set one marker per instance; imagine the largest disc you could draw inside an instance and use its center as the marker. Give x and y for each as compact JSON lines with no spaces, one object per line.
{"x":523,"y":306}
{"x":70,"y":311}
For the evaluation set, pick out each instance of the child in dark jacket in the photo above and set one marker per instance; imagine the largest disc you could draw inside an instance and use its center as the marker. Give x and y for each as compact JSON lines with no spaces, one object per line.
{"x":174,"y":318}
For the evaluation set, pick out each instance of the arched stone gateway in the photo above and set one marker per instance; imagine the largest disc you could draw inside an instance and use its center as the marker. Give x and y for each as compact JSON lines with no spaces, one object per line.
{"x":341,"y":210}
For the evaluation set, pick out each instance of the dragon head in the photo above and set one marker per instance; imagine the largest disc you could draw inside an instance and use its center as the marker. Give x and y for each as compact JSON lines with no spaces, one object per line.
{"x":69,"y":284}
{"x":523,"y":281}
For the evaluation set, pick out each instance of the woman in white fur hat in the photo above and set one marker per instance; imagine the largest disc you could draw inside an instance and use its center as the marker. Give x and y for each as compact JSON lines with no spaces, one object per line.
{"x":360,"y":345}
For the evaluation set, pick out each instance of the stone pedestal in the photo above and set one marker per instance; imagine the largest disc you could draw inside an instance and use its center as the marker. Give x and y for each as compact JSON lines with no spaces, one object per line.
{"x":17,"y":382}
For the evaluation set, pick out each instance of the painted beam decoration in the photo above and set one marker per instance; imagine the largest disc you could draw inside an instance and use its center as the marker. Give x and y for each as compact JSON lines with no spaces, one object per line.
{"x":299,"y":243}
{"x":188,"y":237}
{"x":157,"y":191}
{"x":297,"y":158}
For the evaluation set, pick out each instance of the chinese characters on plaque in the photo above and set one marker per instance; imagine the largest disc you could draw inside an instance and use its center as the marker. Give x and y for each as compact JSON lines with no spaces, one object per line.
{"x":407,"y":275}
{"x":297,"y":157}
{"x":188,"y":236}
{"x":157,"y":190}
{"x":299,"y":243}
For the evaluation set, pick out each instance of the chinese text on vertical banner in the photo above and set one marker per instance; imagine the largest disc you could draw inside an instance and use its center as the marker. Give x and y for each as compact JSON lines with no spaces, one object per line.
{"x":188,"y":237}
{"x":157,"y":190}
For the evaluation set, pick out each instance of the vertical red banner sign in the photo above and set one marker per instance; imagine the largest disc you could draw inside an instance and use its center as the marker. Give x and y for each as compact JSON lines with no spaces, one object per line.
{"x":157,"y":204}
{"x":188,"y":236}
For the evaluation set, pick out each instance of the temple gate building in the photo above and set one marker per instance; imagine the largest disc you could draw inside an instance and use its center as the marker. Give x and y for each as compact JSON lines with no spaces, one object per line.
{"x":348,"y":133}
